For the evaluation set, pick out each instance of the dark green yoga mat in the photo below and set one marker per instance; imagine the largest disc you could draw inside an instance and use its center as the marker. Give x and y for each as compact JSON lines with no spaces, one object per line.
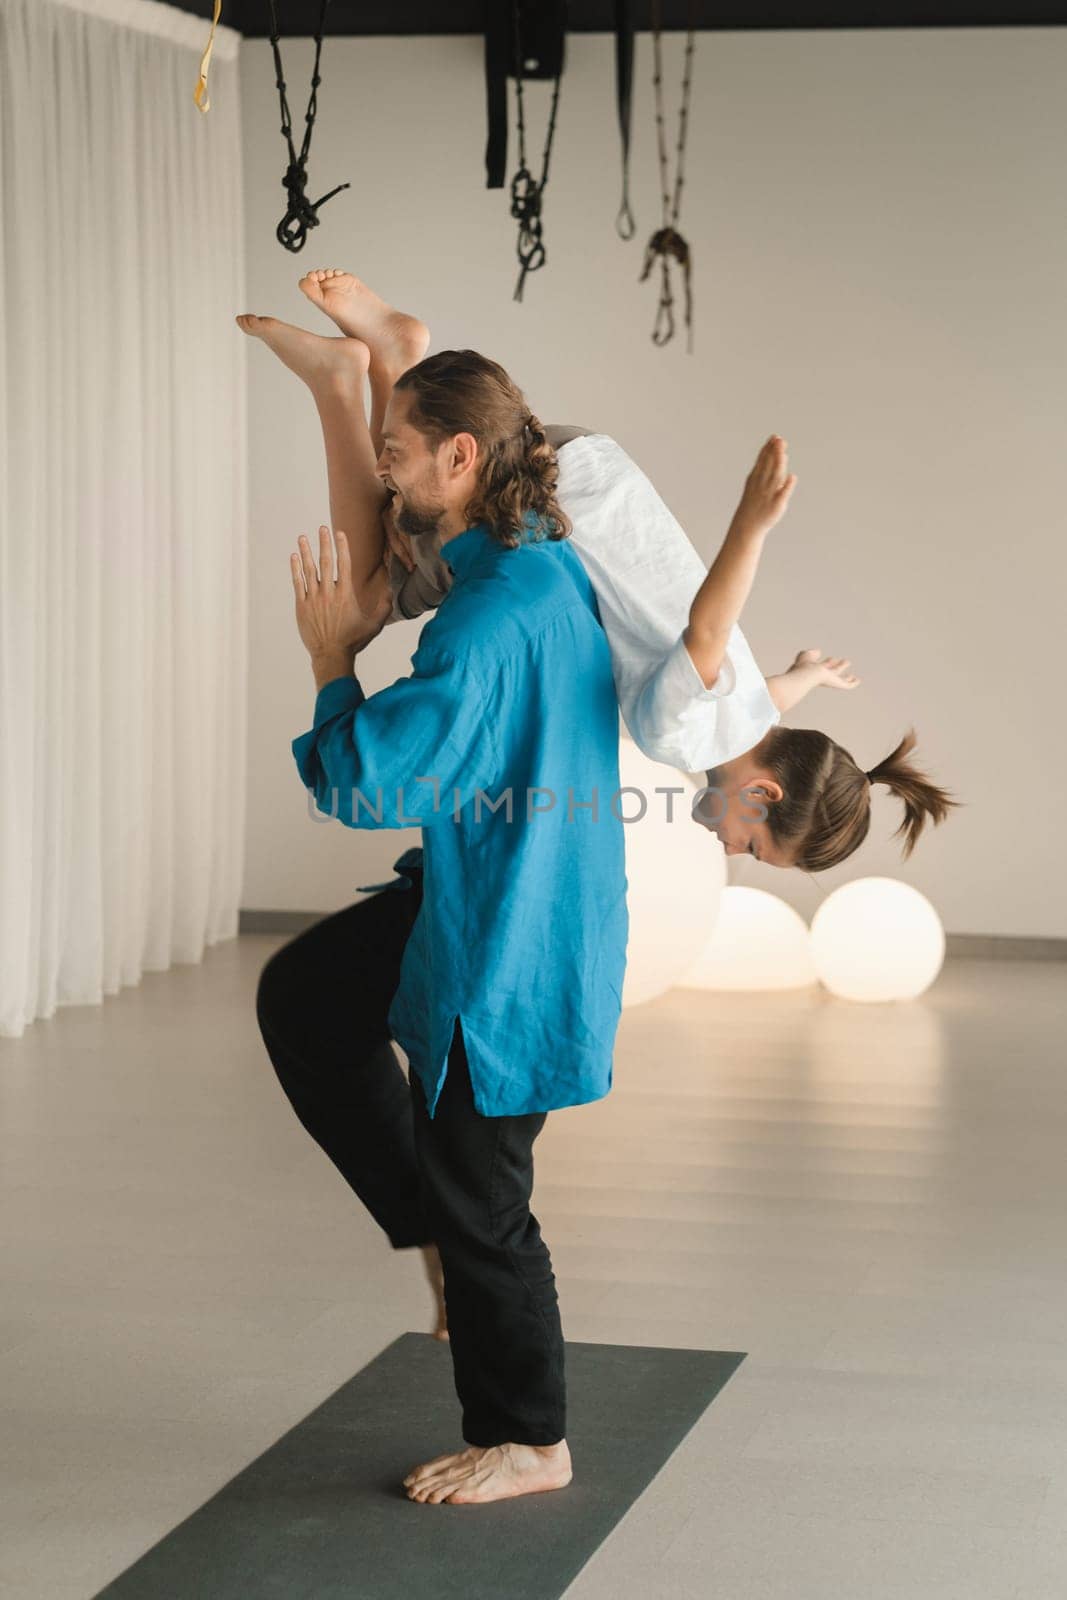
{"x":323,"y":1515}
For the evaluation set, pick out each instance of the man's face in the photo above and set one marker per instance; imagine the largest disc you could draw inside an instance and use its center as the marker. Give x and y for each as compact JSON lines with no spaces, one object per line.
{"x":409,"y":467}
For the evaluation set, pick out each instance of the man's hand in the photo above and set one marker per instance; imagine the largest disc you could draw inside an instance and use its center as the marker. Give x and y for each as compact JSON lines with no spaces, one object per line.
{"x":831,"y":672}
{"x":332,"y":622}
{"x":768,"y":489}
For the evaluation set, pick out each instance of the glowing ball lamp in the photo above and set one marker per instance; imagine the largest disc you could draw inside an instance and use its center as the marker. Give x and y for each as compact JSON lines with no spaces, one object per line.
{"x":758,"y":942}
{"x":675,"y":873}
{"x":877,"y":939}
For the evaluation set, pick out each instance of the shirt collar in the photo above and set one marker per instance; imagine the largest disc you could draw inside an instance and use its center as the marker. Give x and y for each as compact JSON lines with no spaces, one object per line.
{"x":463,"y":549}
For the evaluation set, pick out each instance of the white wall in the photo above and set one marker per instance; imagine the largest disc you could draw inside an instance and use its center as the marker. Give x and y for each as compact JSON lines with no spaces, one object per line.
{"x":879,"y":262}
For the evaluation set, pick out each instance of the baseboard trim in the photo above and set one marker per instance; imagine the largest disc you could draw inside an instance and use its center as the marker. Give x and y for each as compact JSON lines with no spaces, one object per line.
{"x":277,"y":921}
{"x":1005,"y":947}
{"x":986,"y":946}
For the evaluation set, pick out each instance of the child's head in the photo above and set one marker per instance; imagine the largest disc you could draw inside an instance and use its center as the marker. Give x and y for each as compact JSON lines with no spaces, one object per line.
{"x":816,"y":799}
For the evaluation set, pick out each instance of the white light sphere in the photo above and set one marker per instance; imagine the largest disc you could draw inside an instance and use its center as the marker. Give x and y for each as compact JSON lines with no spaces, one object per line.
{"x":877,"y":939}
{"x":758,"y":942}
{"x":675,"y":873}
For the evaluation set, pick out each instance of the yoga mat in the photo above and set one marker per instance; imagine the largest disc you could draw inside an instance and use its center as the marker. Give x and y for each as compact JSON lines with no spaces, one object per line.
{"x":323,"y":1515}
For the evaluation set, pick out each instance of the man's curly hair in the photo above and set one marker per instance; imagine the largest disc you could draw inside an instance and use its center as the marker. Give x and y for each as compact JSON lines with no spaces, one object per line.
{"x":460,"y":391}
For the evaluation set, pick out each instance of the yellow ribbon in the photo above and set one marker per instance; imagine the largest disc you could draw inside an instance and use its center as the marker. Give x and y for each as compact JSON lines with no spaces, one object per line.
{"x":200,"y":94}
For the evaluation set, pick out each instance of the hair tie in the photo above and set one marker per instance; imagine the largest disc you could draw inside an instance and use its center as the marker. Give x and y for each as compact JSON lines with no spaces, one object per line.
{"x":869,"y":776}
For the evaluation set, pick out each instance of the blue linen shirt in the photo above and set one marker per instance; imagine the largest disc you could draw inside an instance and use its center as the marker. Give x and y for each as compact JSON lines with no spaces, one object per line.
{"x":523,"y":925}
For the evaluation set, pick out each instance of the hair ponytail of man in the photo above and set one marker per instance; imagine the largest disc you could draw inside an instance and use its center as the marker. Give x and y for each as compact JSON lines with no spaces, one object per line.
{"x":460,"y":391}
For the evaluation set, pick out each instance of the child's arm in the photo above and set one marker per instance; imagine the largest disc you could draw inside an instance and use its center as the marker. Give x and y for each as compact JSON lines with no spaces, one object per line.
{"x":719,"y":601}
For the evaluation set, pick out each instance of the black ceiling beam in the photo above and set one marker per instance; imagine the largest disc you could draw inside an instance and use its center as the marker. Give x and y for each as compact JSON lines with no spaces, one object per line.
{"x":399,"y":18}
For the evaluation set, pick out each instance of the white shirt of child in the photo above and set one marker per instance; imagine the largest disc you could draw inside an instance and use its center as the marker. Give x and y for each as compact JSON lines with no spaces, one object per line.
{"x":644,"y":572}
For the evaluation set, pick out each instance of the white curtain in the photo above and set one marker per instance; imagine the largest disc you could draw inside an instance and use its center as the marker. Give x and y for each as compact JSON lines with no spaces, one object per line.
{"x":123,"y":500}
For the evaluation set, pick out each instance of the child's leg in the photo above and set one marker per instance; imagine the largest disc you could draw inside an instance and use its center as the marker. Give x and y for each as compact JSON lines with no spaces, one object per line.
{"x":335,"y":371}
{"x":357,"y":494}
{"x":395,"y":340}
{"x":383,"y":376}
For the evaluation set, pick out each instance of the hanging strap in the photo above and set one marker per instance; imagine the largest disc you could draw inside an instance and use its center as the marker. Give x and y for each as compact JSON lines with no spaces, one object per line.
{"x":498,"y":51}
{"x":200,"y":94}
{"x":625,"y":225}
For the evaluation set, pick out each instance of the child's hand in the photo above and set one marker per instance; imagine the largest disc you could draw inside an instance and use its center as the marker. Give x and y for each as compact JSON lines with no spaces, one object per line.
{"x":833,"y":671}
{"x":768,"y":489}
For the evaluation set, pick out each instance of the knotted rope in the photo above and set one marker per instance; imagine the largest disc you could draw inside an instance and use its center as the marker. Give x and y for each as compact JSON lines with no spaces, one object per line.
{"x":667,"y":244}
{"x":292,"y":230}
{"x":527,"y":193}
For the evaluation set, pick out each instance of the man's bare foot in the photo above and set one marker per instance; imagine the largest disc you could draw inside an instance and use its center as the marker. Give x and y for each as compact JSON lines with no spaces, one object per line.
{"x":435,"y":1273}
{"x":320,"y":362}
{"x":396,"y":340}
{"x":493,"y":1472}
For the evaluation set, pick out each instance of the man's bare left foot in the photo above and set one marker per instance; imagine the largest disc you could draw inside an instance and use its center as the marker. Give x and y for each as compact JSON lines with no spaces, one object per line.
{"x":490,"y":1472}
{"x":396,"y":340}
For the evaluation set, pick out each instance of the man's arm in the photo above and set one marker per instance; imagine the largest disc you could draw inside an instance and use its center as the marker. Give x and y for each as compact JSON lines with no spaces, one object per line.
{"x":407,"y":755}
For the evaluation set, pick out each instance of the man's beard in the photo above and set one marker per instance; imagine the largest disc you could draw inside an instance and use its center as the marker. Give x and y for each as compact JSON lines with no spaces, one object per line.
{"x":416,"y":520}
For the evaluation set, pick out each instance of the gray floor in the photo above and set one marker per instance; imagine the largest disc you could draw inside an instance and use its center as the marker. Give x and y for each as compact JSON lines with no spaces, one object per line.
{"x":869,"y":1200}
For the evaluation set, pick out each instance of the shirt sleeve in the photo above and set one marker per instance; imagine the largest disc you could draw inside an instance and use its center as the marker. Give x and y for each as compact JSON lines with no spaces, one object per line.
{"x":409,"y":755}
{"x":677,"y":719}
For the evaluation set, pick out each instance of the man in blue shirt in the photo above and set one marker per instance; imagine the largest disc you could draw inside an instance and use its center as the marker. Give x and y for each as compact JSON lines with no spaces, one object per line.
{"x":502,"y":745}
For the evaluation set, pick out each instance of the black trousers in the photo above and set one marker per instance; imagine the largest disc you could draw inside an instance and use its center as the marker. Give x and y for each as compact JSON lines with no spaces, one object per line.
{"x":460,"y":1180}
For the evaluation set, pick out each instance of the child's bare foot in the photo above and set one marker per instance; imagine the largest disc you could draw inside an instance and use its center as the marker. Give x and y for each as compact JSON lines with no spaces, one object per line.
{"x":435,"y":1273}
{"x":396,"y":340}
{"x":320,"y":362}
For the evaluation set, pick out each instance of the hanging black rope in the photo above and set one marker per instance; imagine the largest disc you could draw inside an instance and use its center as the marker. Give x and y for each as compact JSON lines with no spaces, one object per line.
{"x":667,"y":244}
{"x":292,"y":230}
{"x":527,"y":194}
{"x":625,"y":225}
